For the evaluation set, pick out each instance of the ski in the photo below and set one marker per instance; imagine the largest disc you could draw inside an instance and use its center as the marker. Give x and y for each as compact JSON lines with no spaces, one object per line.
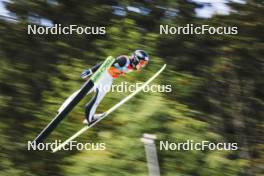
{"x":109,"y":111}
{"x":73,"y":100}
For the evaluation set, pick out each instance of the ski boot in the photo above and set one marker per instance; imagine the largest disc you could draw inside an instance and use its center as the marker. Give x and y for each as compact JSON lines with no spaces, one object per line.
{"x":95,"y":118}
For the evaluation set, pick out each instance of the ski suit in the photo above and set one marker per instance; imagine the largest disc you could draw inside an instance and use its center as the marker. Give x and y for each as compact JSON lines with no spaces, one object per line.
{"x":121,"y":65}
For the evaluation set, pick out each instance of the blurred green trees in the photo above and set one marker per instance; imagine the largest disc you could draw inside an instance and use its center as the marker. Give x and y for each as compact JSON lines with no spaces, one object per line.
{"x":217,"y":95}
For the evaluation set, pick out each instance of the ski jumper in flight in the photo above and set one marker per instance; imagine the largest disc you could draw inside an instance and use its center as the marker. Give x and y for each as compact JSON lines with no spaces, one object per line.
{"x":122,"y":65}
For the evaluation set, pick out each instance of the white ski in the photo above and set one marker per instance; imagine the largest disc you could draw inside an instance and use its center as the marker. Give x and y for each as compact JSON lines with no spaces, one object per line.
{"x":74,"y":99}
{"x":109,"y":111}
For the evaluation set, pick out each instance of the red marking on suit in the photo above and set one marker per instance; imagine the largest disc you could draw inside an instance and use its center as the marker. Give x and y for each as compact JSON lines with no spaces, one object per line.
{"x":115,"y":73}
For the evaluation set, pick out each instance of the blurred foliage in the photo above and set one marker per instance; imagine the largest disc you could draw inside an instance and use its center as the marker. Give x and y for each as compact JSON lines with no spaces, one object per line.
{"x":217,"y":84}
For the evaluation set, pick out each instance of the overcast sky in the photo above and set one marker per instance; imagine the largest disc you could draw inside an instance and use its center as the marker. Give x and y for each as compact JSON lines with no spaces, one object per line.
{"x":216,"y":7}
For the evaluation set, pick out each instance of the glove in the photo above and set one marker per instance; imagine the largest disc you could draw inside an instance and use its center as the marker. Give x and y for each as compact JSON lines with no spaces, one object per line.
{"x":86,"y":73}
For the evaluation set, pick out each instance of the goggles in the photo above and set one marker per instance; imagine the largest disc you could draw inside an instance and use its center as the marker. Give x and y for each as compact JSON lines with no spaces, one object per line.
{"x":143,"y":63}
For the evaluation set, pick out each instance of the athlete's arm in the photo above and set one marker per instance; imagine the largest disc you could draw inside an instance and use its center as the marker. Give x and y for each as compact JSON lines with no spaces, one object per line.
{"x":86,"y":73}
{"x":120,"y":62}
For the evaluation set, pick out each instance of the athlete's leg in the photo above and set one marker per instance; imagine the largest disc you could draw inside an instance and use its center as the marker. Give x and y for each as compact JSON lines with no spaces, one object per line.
{"x":93,"y":104}
{"x":100,"y":91}
{"x":90,"y":106}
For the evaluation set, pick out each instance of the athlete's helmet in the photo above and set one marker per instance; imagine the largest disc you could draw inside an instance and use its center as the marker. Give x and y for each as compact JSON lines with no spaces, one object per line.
{"x":139,"y":57}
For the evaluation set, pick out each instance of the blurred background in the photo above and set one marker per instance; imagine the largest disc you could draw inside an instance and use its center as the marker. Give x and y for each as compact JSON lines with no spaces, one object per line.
{"x":217,"y":86}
